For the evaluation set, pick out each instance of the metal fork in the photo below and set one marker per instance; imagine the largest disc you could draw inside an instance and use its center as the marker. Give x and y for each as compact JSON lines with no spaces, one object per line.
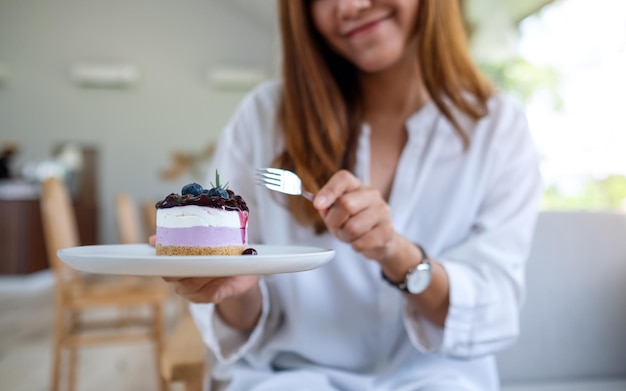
{"x":280,"y":180}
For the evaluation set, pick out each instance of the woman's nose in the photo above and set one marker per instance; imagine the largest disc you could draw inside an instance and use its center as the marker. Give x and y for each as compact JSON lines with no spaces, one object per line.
{"x":352,"y":8}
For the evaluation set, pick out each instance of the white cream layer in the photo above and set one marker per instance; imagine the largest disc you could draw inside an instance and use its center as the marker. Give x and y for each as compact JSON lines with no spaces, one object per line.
{"x":197,"y":216}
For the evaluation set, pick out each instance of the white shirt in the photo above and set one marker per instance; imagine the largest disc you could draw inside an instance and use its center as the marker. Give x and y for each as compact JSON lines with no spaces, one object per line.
{"x":341,"y":327}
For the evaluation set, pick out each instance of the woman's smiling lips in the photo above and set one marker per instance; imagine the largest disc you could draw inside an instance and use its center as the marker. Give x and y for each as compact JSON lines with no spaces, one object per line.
{"x":365,"y":28}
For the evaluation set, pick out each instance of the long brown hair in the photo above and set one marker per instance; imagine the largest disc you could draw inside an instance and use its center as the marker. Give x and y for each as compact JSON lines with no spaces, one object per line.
{"x":319,"y":114}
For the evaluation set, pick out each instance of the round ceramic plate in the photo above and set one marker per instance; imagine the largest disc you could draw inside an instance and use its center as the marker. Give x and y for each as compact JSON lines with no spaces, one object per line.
{"x":141,"y":260}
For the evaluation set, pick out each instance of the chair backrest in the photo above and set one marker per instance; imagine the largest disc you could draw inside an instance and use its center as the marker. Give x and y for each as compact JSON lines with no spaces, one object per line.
{"x":127,"y":217}
{"x":59,"y":224}
{"x":149,"y":216}
{"x":573,"y":323}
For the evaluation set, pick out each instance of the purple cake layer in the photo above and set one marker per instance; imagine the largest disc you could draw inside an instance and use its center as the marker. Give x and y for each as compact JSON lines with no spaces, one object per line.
{"x":201,"y":236}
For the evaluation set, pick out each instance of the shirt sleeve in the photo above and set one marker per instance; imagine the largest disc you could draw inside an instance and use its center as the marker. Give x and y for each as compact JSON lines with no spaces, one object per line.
{"x":486,"y":271}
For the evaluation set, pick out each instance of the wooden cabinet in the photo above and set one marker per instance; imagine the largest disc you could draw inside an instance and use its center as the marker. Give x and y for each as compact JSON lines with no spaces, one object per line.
{"x":22,"y":245}
{"x":22,"y":248}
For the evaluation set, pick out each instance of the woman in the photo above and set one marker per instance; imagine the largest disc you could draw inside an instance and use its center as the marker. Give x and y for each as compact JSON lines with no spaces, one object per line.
{"x":426,"y":186}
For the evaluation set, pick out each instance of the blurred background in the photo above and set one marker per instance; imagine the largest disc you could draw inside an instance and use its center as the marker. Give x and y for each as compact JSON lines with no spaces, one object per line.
{"x":138,"y":82}
{"x":128,"y":96}
{"x":148,"y":85}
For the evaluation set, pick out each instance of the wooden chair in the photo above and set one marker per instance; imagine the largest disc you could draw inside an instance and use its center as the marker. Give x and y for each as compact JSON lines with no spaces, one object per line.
{"x":182,"y":360}
{"x":149,"y":216}
{"x":128,"y":226}
{"x":132,"y":228}
{"x":76,"y":293}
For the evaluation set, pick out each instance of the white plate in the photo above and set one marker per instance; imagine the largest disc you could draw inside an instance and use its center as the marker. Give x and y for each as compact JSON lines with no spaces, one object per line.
{"x":141,"y":260}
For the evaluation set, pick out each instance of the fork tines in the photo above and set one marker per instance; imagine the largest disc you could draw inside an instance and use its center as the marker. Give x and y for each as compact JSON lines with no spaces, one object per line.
{"x":267,"y":176}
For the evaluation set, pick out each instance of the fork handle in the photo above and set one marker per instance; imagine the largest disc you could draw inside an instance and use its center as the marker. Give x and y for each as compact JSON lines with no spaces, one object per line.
{"x":308,"y":195}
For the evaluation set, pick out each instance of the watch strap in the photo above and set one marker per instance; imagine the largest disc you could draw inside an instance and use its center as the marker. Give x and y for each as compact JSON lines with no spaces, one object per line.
{"x":403,"y":285}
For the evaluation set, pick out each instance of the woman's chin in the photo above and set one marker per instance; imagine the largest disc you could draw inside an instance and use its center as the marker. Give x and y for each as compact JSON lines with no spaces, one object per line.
{"x":378,"y":62}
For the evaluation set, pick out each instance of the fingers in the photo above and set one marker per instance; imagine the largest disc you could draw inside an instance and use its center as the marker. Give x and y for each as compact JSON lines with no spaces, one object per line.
{"x":189,"y":286}
{"x":152,"y":240}
{"x":376,"y":243}
{"x":211,"y":289}
{"x":172,"y":279}
{"x":194,"y":289}
{"x":369,"y":232}
{"x":340,"y":183}
{"x":356,"y":214}
{"x":202,"y":290}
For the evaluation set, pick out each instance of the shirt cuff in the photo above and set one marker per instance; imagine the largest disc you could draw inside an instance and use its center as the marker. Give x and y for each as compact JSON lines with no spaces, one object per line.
{"x":461,"y":312}
{"x":425,"y":336}
{"x":453,"y":339}
{"x":227,"y":344}
{"x":229,"y":339}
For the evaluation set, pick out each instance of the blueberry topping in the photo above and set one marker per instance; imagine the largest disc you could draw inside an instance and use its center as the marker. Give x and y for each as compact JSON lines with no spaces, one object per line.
{"x":249,"y":251}
{"x":219,"y":192}
{"x":193,"y":188}
{"x":218,"y":196}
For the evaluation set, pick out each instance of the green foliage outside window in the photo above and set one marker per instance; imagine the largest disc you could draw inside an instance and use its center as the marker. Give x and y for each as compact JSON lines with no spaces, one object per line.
{"x":595,"y":194}
{"x":522,"y":79}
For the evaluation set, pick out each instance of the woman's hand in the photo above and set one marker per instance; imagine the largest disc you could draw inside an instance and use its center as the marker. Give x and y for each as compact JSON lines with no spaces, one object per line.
{"x":238,"y":298}
{"x":358,"y":215}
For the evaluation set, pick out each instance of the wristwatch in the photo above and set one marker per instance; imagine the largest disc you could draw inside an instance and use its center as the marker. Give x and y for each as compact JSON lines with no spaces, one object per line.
{"x":417,"y":278}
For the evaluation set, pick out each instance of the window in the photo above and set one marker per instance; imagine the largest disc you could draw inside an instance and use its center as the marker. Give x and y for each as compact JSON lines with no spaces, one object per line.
{"x":571,"y":74}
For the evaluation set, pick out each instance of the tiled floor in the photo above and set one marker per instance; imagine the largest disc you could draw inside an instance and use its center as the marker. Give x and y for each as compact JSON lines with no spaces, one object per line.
{"x":26,"y":311}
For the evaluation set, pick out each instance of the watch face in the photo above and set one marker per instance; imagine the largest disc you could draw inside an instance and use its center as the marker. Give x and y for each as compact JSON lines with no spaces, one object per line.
{"x":418,"y":280}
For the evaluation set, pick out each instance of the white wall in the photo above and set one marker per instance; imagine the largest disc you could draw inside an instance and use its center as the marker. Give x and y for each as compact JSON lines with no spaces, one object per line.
{"x":173,"y":107}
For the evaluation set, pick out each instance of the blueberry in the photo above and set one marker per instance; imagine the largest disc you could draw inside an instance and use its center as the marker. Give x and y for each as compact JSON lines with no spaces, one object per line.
{"x":219,"y":192}
{"x":249,"y":251}
{"x":193,"y":189}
